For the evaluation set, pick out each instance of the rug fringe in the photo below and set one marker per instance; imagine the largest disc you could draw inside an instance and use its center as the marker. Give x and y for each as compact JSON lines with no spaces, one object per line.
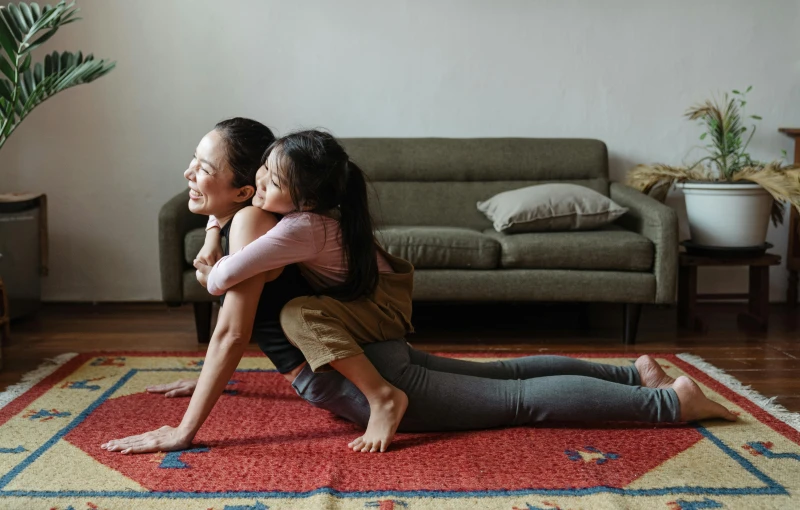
{"x":30,"y":379}
{"x":766,"y":403}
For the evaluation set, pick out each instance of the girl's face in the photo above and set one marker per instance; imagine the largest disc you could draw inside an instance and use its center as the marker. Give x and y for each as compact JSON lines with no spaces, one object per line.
{"x":211,"y":180}
{"x":272,"y":189}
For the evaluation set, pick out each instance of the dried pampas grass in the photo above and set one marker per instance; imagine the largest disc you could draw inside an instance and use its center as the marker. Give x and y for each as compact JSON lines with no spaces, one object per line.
{"x":780,"y":181}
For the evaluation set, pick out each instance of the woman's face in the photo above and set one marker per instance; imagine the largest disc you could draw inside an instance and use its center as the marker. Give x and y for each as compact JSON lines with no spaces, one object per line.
{"x":211,"y":180}
{"x":272,"y":191}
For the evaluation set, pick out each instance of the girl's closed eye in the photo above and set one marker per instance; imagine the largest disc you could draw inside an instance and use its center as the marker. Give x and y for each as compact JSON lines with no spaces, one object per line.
{"x":272,"y":179}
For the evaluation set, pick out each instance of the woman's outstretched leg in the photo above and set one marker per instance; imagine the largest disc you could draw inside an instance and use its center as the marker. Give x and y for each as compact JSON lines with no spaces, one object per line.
{"x":448,"y":401}
{"x":645,"y":372}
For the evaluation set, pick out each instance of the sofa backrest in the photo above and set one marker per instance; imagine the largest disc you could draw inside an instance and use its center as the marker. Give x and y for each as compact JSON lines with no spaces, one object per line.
{"x":438,"y":181}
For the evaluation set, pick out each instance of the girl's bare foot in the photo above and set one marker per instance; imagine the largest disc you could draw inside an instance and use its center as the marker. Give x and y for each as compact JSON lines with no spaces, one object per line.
{"x":651,"y":373}
{"x":695,"y":405}
{"x":385,"y":414}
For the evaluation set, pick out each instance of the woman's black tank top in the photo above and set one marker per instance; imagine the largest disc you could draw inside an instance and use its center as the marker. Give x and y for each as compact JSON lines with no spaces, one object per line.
{"x":267,"y":330}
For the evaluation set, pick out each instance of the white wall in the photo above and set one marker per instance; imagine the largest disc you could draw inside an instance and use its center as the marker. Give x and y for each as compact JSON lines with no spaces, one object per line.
{"x":109,"y":154}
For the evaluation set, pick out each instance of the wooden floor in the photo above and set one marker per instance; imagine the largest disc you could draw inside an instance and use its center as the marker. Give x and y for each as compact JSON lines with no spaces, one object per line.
{"x":769,"y":362}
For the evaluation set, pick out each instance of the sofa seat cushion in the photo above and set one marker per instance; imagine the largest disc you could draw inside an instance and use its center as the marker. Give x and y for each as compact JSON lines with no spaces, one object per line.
{"x":610,"y":248}
{"x":192,"y":243}
{"x":441,"y":247}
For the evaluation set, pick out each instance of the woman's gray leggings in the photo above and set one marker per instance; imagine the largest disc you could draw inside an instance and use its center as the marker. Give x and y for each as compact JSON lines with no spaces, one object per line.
{"x":451,"y":394}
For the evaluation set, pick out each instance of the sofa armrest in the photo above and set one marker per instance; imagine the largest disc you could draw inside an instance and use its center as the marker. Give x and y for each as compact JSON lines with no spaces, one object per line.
{"x":659,"y":223}
{"x":174,"y":221}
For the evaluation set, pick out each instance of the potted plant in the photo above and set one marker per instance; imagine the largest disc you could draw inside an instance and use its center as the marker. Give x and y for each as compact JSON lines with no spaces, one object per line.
{"x":730,"y":197}
{"x":24,"y":85}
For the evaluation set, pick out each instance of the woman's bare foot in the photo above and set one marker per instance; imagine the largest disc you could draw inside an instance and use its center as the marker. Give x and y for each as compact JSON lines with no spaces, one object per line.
{"x":385,"y":414}
{"x":695,"y":405}
{"x":651,"y":373}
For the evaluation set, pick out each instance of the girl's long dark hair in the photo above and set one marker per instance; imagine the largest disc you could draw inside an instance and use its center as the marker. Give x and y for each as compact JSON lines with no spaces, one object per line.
{"x":322,"y":179}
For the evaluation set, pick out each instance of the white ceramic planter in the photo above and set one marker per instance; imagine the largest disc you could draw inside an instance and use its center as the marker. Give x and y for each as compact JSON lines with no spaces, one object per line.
{"x":727,"y":215}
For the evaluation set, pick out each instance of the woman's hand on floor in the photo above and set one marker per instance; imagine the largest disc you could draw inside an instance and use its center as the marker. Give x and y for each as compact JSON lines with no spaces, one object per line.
{"x":165,"y":439}
{"x":182,"y":388}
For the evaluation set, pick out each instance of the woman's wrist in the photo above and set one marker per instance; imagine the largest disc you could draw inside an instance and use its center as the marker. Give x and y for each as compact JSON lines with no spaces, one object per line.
{"x":187,"y":431}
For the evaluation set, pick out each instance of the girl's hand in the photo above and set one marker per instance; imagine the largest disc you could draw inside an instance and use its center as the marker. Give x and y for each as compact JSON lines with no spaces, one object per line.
{"x":165,"y":439}
{"x":209,"y":254}
{"x":182,"y":388}
{"x":211,"y":251}
{"x":202,"y":272}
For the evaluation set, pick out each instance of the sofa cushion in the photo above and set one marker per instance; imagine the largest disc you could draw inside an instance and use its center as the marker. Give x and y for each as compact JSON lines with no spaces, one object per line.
{"x":192,"y":243}
{"x":610,"y":248}
{"x":446,"y":204}
{"x":441,"y":247}
{"x":550,"y":208}
{"x":478,"y":159}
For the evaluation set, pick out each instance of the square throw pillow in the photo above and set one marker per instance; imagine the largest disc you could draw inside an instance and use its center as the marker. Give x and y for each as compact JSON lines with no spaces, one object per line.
{"x":550,"y":207}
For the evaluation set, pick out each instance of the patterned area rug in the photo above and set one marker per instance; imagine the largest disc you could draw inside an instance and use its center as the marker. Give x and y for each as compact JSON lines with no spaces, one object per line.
{"x":263,"y":448}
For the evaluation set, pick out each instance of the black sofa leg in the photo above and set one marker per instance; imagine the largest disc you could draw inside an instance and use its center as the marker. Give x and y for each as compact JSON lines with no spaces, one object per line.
{"x":202,"y":321}
{"x":633,"y":312}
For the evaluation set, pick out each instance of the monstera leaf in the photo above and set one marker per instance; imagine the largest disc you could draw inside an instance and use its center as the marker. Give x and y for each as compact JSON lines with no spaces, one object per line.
{"x":24,"y":85}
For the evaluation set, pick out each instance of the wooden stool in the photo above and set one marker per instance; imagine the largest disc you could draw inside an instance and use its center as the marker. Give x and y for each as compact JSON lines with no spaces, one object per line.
{"x":758,"y":296}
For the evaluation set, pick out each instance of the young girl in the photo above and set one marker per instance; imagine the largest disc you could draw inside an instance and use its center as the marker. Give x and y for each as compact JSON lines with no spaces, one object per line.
{"x":364,"y":294}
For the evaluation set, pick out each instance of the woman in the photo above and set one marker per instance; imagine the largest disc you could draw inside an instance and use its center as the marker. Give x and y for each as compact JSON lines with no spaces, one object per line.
{"x":443,"y":394}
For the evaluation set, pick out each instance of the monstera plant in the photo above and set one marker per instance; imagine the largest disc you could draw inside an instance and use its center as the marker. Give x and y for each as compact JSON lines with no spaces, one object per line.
{"x":25,"y":27}
{"x":24,"y":85}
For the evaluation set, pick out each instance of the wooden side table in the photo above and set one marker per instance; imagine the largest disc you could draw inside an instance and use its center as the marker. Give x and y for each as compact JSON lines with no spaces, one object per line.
{"x":793,"y":252}
{"x":757,"y":314}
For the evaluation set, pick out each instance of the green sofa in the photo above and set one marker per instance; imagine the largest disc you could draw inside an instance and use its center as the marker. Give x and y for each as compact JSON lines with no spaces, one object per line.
{"x":424,"y":199}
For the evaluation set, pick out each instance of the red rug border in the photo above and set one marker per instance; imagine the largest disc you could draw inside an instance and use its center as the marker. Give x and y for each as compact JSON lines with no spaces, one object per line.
{"x":18,"y":404}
